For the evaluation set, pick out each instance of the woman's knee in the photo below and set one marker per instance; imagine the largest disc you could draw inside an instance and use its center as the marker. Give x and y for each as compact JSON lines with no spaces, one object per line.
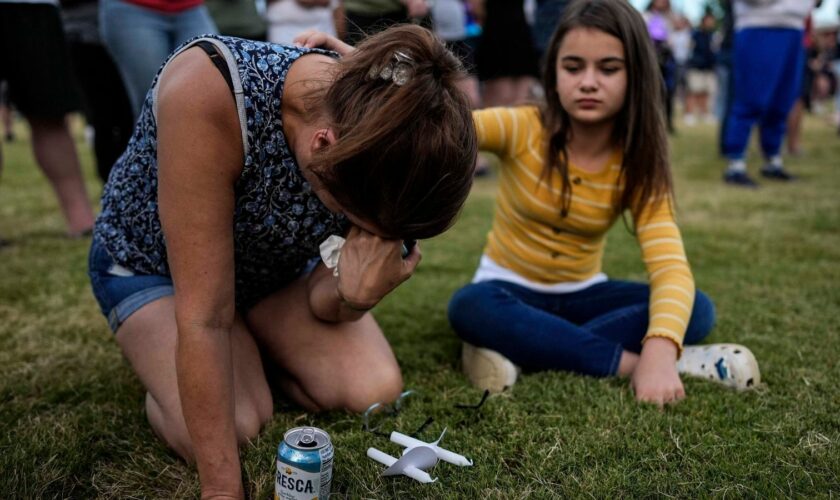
{"x":384,"y":387}
{"x":250,"y":417}
{"x":360,"y":390}
{"x":170,"y":427}
{"x":703,"y":318}
{"x":252,"y":413}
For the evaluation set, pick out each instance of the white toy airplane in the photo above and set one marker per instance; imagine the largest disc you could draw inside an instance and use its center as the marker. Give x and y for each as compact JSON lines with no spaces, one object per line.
{"x":417,"y":457}
{"x":411,"y":464}
{"x":445,"y":455}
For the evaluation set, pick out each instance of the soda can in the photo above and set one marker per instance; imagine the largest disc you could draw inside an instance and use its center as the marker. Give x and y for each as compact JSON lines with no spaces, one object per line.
{"x":304,"y":465}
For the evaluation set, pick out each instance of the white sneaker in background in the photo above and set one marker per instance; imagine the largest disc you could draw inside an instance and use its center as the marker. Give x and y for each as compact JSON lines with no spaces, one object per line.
{"x":690,"y":120}
{"x":732,"y":365}
{"x":488,"y":369}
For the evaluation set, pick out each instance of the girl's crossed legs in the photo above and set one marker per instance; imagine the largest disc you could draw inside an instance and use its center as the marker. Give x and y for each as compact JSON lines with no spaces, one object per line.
{"x":583,"y":332}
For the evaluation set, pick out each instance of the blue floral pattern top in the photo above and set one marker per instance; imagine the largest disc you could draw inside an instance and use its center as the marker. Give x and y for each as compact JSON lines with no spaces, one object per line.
{"x":278,"y":222}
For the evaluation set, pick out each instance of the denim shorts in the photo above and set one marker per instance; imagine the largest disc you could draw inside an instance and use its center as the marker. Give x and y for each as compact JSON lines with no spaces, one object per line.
{"x":119,"y":291}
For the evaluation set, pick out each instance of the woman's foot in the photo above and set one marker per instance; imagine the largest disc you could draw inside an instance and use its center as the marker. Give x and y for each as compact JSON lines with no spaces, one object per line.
{"x":488,"y":369}
{"x":732,"y":365}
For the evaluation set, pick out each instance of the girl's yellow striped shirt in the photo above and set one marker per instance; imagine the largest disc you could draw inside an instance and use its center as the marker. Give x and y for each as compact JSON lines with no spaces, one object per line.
{"x":531,"y":238}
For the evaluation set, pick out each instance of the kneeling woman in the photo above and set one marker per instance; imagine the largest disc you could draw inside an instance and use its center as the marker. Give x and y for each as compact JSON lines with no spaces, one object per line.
{"x":246,"y":157}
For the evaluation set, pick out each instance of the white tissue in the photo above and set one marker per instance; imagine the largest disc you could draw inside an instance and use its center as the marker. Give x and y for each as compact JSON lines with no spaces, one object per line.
{"x":331,"y":251}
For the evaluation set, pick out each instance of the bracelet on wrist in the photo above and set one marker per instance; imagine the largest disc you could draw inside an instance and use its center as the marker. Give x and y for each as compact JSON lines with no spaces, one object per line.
{"x":350,"y":305}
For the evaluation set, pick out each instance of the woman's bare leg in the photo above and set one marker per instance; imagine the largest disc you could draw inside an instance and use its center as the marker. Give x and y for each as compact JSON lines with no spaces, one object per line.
{"x":325,"y":365}
{"x":148,"y":340}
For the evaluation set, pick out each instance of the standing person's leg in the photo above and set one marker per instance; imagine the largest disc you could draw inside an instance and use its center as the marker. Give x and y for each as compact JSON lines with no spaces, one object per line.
{"x":325,"y":365}
{"x":753,"y":68}
{"x":41,"y":86}
{"x":689,"y":115}
{"x":787,"y":87}
{"x":139,"y":41}
{"x":835,"y":66}
{"x":703,"y":105}
{"x":191,"y":23}
{"x":723,"y":101}
{"x":55,"y":153}
{"x":106,"y":102}
{"x":793,"y":133}
{"x":6,"y":121}
{"x":712,"y":89}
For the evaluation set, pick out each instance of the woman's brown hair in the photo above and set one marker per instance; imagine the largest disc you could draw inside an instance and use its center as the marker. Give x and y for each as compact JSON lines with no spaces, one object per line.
{"x":404,"y":154}
{"x":639,"y":126}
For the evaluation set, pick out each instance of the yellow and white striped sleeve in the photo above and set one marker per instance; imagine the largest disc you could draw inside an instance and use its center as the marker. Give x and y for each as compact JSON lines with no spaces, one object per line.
{"x":501,"y":130}
{"x":671,"y":281}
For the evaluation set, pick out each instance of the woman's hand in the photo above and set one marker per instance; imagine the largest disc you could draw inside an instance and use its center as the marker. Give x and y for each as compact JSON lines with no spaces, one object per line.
{"x":370,"y":267}
{"x":311,"y":39}
{"x":655,"y":378}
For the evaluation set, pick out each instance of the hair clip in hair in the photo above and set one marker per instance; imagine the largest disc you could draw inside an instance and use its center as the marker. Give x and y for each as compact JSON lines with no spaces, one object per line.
{"x":399,"y":70}
{"x":403,"y":68}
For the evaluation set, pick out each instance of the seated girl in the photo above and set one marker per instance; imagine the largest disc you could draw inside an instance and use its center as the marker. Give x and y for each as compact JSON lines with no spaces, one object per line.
{"x":569,"y":171}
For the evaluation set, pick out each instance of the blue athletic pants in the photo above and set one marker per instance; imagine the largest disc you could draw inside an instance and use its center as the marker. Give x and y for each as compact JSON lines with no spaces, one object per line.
{"x":767,"y":79}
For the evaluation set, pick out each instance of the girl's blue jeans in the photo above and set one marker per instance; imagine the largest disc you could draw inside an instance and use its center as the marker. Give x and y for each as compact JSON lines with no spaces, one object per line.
{"x":583,"y":332}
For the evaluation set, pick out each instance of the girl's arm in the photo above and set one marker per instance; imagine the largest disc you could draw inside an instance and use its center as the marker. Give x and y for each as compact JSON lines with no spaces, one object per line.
{"x":369,"y":268}
{"x":505,"y":131}
{"x":199,"y":159}
{"x":655,"y":378}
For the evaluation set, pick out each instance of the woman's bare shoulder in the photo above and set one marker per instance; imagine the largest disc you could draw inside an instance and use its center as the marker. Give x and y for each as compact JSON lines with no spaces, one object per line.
{"x":197,"y":118}
{"x":193,"y":85}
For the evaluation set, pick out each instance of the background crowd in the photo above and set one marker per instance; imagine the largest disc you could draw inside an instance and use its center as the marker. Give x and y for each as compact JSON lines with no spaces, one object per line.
{"x":99,"y":58}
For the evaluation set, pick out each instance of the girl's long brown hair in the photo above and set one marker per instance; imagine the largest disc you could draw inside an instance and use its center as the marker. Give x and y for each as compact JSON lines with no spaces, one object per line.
{"x":639,"y":126}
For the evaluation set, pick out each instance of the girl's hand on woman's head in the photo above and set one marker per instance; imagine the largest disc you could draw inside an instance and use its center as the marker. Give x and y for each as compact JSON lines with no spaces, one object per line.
{"x":655,"y":378}
{"x":370,"y":267}
{"x":311,"y":39}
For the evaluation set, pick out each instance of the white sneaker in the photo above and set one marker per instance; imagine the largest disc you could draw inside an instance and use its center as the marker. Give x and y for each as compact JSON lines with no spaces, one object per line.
{"x":488,"y":369}
{"x":732,"y":365}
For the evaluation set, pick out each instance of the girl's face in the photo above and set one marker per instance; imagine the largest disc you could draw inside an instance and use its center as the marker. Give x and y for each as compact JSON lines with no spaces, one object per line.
{"x":591,"y":76}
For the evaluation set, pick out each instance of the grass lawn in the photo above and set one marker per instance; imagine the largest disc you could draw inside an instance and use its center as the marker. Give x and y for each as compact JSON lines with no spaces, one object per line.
{"x":71,"y":412}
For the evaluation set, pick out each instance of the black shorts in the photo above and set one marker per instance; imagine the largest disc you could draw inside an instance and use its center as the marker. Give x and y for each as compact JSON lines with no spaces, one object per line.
{"x":506,"y":48}
{"x":34,"y":60}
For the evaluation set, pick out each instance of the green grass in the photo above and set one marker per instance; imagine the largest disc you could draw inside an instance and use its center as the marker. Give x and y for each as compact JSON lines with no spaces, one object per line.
{"x":72,"y":423}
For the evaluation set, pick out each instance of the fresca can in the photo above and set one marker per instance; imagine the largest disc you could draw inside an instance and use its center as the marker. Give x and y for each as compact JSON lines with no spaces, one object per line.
{"x":304,"y":465}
